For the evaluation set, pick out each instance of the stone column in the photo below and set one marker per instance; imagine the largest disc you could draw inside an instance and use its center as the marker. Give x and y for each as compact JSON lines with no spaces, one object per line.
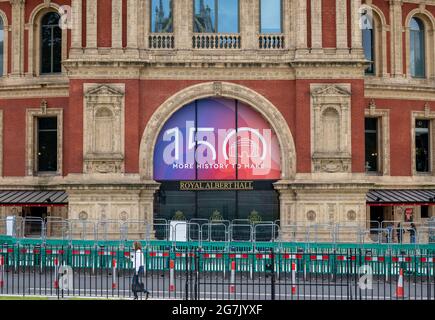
{"x":355,"y":27}
{"x":316,"y":25}
{"x":146,"y":205}
{"x":249,"y":29}
{"x":183,"y":24}
{"x":91,"y":26}
{"x":341,"y":24}
{"x":301,"y":26}
{"x":396,"y":38}
{"x":17,"y":37}
{"x":76,"y":32}
{"x":132,"y":28}
{"x":117,"y":24}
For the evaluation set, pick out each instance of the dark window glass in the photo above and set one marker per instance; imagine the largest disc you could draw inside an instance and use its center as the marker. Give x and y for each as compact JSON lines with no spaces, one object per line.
{"x":422,"y":145}
{"x":425,"y":211}
{"x":371,"y":137}
{"x":51,"y":44}
{"x":47,"y":144}
{"x":417,"y":48}
{"x":368,"y":45}
{"x":2,"y":39}
{"x":271,"y":16}
{"x":212,"y":16}
{"x":161,"y":17}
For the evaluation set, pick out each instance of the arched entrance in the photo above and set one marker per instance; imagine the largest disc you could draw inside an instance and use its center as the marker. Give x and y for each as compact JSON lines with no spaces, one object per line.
{"x":217,"y":146}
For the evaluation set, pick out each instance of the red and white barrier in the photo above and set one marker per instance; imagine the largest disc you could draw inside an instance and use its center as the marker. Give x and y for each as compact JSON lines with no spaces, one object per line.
{"x":107,"y":253}
{"x":263,"y":256}
{"x":8,"y":250}
{"x":171,"y":276}
{"x":399,"y":289}
{"x":288,"y":256}
{"x":54,"y":252}
{"x":239,"y":256}
{"x":183,"y":255}
{"x":346,"y":258}
{"x":213,"y":256}
{"x":402,"y":259}
{"x":374,"y":259}
{"x":233,"y":278}
{"x":56,"y":280}
{"x":2,"y":270}
{"x":427,"y":260}
{"x":114,"y":265}
{"x":159,"y":254}
{"x":293,"y":278}
{"x":319,"y":257}
{"x":81,"y":252}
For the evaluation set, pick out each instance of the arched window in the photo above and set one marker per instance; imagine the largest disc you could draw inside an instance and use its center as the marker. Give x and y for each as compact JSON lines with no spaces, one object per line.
{"x":51,"y":43}
{"x":369,"y":48}
{"x":417,"y":48}
{"x":2,"y":40}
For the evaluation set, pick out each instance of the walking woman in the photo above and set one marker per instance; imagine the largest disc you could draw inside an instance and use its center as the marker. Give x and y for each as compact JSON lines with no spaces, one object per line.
{"x":138,"y":264}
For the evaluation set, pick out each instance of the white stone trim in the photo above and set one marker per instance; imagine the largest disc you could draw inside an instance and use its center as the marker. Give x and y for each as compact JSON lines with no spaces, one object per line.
{"x":341,"y":24}
{"x":17,"y":28}
{"x":76,"y":32}
{"x":132,"y":26}
{"x":316,"y":24}
{"x":423,"y":115}
{"x":355,"y":24}
{"x":31,"y":157}
{"x":301,"y":24}
{"x":224,"y":89}
{"x":117,"y":24}
{"x":91,"y":25}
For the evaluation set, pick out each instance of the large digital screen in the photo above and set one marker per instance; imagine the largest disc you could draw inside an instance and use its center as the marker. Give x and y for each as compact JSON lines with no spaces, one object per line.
{"x":217,"y":139}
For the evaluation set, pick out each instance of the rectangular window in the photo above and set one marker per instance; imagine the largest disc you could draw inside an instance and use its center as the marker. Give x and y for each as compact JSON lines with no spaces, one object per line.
{"x":161,"y":16}
{"x":425,"y":211}
{"x":422,"y":150}
{"x":371,"y":147}
{"x":47,"y":144}
{"x":211,"y":16}
{"x":270,"y":16}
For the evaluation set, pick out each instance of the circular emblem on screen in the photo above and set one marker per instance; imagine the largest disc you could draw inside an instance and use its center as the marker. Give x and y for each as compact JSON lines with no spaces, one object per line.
{"x":311,"y":215}
{"x":217,"y":139}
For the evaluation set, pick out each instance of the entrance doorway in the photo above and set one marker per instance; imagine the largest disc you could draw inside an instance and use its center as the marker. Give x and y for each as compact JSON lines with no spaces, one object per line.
{"x":34,"y":220}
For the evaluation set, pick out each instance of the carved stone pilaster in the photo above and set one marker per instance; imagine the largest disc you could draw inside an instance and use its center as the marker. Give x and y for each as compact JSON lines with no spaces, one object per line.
{"x":104,"y":129}
{"x":330,"y":128}
{"x":17,"y":36}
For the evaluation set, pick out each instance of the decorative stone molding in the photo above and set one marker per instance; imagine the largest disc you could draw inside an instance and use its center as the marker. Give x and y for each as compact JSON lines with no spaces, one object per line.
{"x":31,"y":136}
{"x":383,"y":116}
{"x":104,"y":128}
{"x":6,"y":29}
{"x":331,"y":127}
{"x":230,"y":90}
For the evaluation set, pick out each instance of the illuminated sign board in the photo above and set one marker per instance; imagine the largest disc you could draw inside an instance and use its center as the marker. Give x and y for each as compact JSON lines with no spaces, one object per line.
{"x":217,"y":139}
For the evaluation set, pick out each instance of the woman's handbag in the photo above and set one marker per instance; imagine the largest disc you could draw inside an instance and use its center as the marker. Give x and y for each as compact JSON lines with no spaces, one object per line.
{"x":138,"y":286}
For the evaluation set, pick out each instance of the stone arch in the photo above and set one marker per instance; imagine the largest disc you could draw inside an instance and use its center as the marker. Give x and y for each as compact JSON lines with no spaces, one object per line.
{"x":216,"y":89}
{"x":34,"y":46}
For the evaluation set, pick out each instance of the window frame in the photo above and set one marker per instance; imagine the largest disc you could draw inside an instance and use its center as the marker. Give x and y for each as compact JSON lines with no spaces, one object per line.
{"x":41,"y":46}
{"x":430,"y":116}
{"x":37,"y":144}
{"x":378,"y":145}
{"x":217,"y":19}
{"x":32,"y":136}
{"x":281,"y":18}
{"x":423,"y":44}
{"x":151,"y":18}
